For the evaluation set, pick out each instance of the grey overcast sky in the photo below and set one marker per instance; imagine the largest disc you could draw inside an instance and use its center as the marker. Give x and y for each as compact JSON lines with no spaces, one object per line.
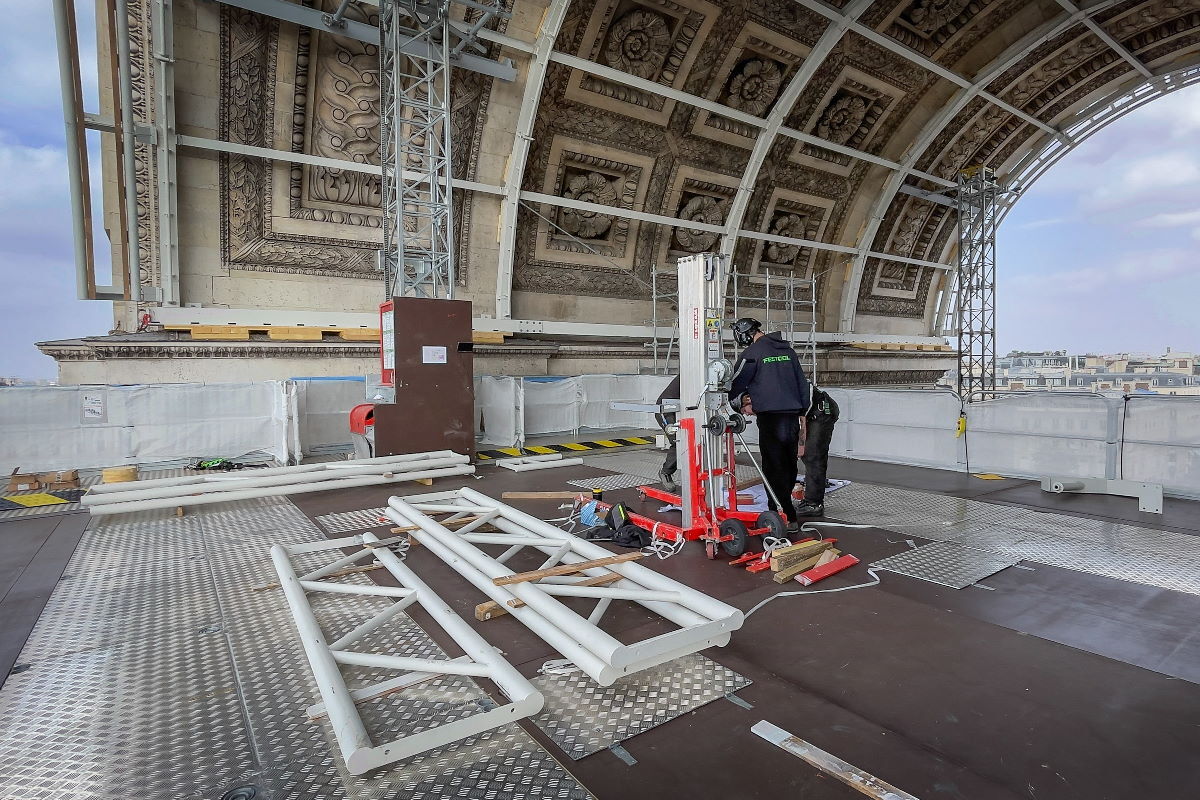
{"x":1100,"y":255}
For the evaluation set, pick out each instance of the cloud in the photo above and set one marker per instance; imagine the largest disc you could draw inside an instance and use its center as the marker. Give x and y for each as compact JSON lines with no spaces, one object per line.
{"x":1174,"y":220}
{"x":1042,"y":223}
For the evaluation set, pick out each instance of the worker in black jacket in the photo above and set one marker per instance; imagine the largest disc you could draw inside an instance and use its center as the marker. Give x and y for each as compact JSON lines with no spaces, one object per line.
{"x":816,"y":428}
{"x":769,"y":382}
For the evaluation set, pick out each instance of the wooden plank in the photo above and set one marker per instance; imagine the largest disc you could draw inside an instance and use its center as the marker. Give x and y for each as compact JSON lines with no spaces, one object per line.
{"x":786,"y":574}
{"x":293,"y":333}
{"x":490,"y":609}
{"x":488,"y":337}
{"x":540,"y":495}
{"x":782,"y":560}
{"x":565,"y":569}
{"x":358,"y":334}
{"x":405,"y":529}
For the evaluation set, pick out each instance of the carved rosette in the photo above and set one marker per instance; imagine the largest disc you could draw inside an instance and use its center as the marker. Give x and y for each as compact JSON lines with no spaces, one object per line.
{"x":700,"y":208}
{"x":930,"y":16}
{"x":638,"y":43}
{"x":754,"y":86}
{"x":792,"y":226}
{"x":842,"y":118}
{"x":588,"y":188}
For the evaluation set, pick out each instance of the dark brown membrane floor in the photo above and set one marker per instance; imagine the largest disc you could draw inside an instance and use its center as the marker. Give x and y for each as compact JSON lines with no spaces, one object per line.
{"x":1056,"y":685}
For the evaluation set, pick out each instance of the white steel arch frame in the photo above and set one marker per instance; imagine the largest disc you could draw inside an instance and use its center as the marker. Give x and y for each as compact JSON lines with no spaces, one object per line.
{"x":932,"y":129}
{"x":535,"y":79}
{"x":783,"y":106}
{"x":1084,"y":124}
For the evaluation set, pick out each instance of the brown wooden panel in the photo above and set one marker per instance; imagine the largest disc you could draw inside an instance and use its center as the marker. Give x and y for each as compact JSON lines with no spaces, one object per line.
{"x":435,"y":402}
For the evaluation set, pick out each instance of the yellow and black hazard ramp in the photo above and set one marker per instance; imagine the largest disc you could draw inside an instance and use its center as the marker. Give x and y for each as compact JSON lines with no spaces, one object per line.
{"x":565,"y":447}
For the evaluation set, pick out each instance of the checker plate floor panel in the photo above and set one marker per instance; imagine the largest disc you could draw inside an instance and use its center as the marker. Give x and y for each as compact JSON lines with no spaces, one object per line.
{"x":583,"y":717}
{"x":1126,"y":552}
{"x":163,"y":667}
{"x":947,"y":564}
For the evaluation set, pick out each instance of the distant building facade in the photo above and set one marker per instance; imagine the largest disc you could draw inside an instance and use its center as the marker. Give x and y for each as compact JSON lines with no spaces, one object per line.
{"x":1176,"y":373}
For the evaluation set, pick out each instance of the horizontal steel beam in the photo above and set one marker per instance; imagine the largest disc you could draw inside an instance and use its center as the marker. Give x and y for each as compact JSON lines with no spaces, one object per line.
{"x":352,"y":29}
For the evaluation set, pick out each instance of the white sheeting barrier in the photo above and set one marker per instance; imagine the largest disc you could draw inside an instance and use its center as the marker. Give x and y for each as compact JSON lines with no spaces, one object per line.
{"x":339,"y":703}
{"x":897,"y":426}
{"x":81,"y":427}
{"x":500,"y":404}
{"x":1161,"y":443}
{"x":322,"y":413}
{"x":703,"y":621}
{"x":1042,"y":434}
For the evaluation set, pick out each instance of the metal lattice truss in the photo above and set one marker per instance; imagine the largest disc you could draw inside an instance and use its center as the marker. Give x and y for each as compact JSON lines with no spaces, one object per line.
{"x":701,"y":620}
{"x":976,"y":277}
{"x":326,"y":658}
{"x":418,"y":44}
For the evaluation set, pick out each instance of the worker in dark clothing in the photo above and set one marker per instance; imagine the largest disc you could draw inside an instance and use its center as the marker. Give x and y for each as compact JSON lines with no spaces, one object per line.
{"x":816,"y":433}
{"x":768,"y":378}
{"x":670,"y":463}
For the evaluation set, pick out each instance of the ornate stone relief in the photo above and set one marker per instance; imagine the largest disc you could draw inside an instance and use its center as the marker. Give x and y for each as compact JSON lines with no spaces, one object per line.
{"x":656,"y":40}
{"x":144,"y":167}
{"x":585,"y":236}
{"x":796,"y":216}
{"x":851,"y":113}
{"x":323,"y":91}
{"x":758,"y":64}
{"x":927,"y":25}
{"x":699,"y":196}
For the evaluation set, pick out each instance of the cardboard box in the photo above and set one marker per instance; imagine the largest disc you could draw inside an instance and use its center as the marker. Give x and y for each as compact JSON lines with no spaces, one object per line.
{"x":23,"y":482}
{"x":63,"y":479}
{"x":60,"y":486}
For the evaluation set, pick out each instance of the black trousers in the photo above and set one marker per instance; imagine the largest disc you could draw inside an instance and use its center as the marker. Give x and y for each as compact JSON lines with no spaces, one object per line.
{"x":671,"y":462}
{"x":778,"y":440}
{"x":816,"y":453}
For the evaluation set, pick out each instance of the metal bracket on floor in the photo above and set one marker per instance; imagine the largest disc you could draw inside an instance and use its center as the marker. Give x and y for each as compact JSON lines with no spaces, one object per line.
{"x":339,"y":703}
{"x":1149,"y":495}
{"x":527,"y":463}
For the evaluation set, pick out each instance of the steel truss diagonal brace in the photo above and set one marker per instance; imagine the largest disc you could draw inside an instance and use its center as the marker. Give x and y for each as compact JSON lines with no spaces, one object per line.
{"x":358,"y":749}
{"x":701,"y":620}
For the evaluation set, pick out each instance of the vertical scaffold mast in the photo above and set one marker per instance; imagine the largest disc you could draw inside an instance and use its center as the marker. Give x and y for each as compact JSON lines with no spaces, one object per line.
{"x":419,"y":42}
{"x":976,"y":277}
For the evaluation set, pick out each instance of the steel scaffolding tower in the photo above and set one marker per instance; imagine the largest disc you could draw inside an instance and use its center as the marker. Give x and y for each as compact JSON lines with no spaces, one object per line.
{"x":414,"y":106}
{"x":976,"y":279}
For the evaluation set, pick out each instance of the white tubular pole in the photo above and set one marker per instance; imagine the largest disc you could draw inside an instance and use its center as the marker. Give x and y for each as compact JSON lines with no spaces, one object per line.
{"x":513,"y":684}
{"x":300,"y":488}
{"x":410,"y":664}
{"x":347,"y":726}
{"x":594,"y":639}
{"x":212,"y":484}
{"x":697,"y":601}
{"x":556,"y":638}
{"x":353,"y":588}
{"x":420,"y":458}
{"x":598,"y":592}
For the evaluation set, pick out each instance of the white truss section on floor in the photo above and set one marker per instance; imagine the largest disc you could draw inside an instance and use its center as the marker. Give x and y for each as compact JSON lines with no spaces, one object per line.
{"x":702,"y":621}
{"x":326,"y":658}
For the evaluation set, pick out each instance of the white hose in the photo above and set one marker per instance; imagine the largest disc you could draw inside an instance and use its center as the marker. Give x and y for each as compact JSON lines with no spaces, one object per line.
{"x":811,"y":527}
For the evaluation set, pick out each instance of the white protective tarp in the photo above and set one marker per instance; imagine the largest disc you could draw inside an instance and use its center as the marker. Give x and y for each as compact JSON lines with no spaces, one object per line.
{"x":85,"y":427}
{"x":1040,"y":434}
{"x":902,"y":426}
{"x":323,"y":412}
{"x":499,"y":405}
{"x":1162,"y":443}
{"x":553,"y":405}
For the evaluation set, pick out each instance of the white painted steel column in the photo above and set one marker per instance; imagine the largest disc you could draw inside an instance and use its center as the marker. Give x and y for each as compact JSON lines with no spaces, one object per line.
{"x":515,"y":170}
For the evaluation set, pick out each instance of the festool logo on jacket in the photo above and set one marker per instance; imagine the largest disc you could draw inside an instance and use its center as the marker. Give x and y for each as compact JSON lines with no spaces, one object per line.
{"x":769,"y":359}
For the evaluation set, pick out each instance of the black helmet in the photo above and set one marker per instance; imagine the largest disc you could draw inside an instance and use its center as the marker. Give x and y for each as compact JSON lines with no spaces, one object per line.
{"x":744,"y":330}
